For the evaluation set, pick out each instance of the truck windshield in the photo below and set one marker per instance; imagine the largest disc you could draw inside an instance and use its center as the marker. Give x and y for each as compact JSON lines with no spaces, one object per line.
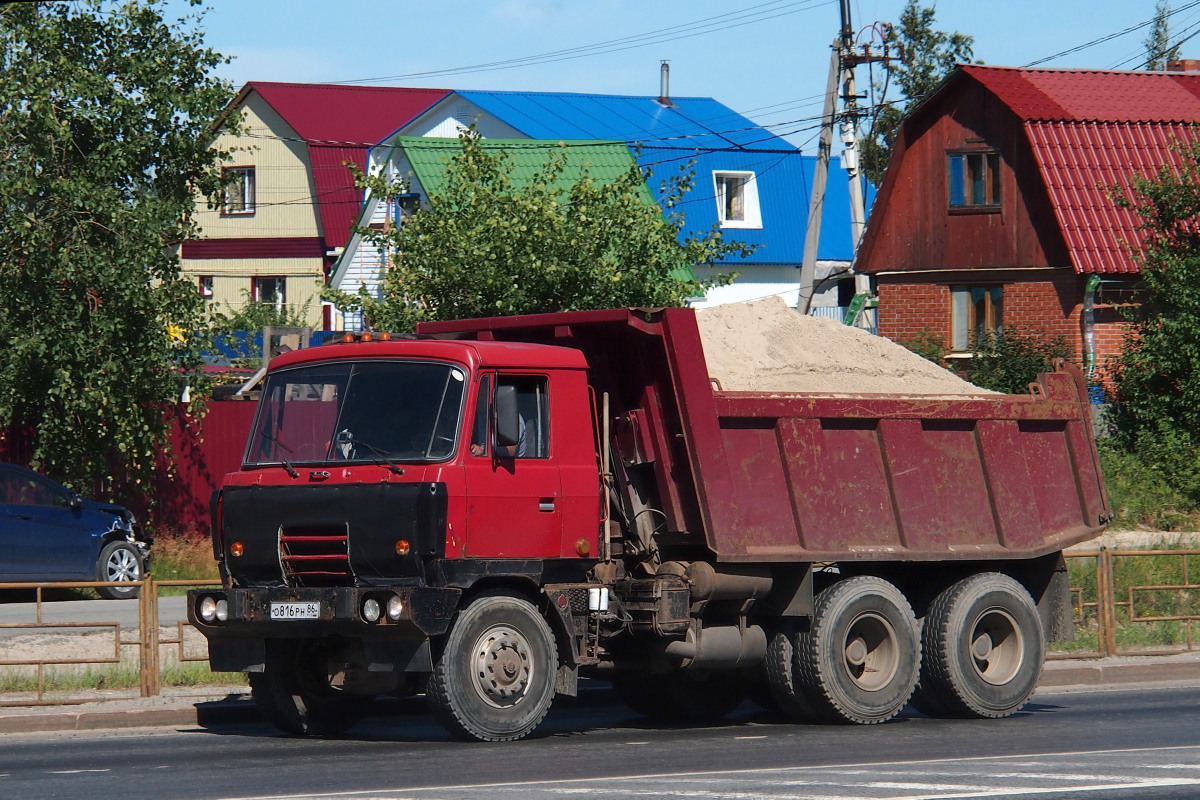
{"x":381,"y":412}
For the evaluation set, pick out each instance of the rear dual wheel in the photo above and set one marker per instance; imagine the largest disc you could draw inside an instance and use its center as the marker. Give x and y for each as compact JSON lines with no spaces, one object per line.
{"x":857,"y":661}
{"x":984,"y":648}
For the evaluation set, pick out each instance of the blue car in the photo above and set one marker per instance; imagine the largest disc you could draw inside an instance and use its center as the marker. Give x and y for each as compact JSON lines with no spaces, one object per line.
{"x":49,"y":533}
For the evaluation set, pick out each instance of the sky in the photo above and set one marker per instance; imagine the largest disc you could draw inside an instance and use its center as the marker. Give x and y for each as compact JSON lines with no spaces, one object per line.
{"x":766,"y":60}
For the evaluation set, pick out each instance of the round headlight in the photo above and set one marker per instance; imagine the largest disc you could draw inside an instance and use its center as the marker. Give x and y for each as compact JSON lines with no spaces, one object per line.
{"x":370,"y":609}
{"x":222,"y":610}
{"x":208,"y":609}
{"x":395,"y":607}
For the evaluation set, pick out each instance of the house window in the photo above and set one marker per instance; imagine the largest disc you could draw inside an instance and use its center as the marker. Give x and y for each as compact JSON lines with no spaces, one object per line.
{"x":974,"y":178}
{"x":239,"y":191}
{"x":737,"y":199}
{"x":271,"y":291}
{"x":975,"y":313}
{"x":206,"y":286}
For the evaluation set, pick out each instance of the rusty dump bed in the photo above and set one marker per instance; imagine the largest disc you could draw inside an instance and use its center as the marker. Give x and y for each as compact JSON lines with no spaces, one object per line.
{"x":782,"y":477}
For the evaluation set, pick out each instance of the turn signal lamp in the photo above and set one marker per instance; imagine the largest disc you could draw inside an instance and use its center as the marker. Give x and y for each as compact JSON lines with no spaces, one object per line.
{"x":403,"y":547}
{"x":236,"y":549}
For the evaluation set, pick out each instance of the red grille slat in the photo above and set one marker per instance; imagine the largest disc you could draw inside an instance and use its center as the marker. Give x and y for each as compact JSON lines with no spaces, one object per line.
{"x":314,"y":556}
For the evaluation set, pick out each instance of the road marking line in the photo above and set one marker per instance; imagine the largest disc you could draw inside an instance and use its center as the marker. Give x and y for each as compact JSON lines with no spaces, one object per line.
{"x":75,"y":771}
{"x":368,"y":794}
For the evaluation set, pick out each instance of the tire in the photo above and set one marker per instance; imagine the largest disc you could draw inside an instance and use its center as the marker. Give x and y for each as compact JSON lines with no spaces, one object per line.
{"x":294,"y":694}
{"x":859,"y":660}
{"x":119,"y":561}
{"x":779,"y":667}
{"x":683,"y":696}
{"x":495,"y":678}
{"x":984,"y":648}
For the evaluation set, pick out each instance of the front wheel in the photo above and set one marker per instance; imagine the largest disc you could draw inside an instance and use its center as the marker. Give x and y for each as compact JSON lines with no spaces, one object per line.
{"x":984,"y":648}
{"x":119,"y":561}
{"x":494,"y":681}
{"x":295,"y":695}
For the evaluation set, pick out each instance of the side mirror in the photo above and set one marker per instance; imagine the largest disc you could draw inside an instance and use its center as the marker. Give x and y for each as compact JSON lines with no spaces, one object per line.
{"x":508,"y":422}
{"x":76,"y":502}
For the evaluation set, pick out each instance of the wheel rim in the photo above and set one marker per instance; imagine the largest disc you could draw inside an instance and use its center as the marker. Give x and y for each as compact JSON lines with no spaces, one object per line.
{"x":997,"y":646}
{"x":122,"y":566}
{"x":871,"y":652}
{"x":503,"y":667}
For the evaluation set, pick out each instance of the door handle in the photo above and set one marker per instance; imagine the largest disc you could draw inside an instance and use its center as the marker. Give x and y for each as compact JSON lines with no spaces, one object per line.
{"x":546,"y":504}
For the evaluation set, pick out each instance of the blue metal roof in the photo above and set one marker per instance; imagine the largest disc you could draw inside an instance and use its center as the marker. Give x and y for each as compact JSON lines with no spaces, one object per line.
{"x":718,"y":139}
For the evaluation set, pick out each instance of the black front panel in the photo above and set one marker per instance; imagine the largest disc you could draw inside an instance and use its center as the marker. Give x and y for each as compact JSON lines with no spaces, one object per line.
{"x":334,"y":535}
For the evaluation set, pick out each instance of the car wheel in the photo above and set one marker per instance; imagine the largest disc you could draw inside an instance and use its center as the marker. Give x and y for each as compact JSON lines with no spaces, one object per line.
{"x":119,"y":561}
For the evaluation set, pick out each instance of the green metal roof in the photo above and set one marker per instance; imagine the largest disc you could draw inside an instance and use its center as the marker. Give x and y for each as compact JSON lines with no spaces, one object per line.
{"x":603,"y":161}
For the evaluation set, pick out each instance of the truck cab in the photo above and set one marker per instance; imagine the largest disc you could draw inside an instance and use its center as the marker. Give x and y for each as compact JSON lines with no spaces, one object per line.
{"x":368,"y":462}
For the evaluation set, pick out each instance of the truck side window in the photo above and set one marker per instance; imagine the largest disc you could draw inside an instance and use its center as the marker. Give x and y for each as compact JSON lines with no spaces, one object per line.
{"x":479,"y":427}
{"x":533,"y":407}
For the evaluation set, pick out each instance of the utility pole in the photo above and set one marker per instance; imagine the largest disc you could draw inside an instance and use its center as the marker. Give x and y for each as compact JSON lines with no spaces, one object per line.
{"x":841,"y":72}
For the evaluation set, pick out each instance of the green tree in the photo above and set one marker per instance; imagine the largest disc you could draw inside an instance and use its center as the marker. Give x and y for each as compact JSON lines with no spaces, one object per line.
{"x":105,"y":112}
{"x":1159,"y":50}
{"x":1010,"y":361}
{"x":486,"y":246}
{"x":1158,"y":373}
{"x":929,"y":55}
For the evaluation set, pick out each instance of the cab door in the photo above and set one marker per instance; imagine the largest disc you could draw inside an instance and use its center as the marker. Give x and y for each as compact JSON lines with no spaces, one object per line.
{"x":514,"y":493}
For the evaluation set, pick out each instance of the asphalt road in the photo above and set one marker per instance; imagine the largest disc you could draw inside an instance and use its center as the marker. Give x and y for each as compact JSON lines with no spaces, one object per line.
{"x":1141,"y":744}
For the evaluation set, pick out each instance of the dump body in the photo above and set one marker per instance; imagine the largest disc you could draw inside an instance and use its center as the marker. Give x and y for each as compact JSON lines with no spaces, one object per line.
{"x":763,"y":477}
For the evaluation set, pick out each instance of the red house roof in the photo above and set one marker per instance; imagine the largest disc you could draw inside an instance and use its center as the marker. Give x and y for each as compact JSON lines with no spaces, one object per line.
{"x":1090,"y":131}
{"x":339,"y":124}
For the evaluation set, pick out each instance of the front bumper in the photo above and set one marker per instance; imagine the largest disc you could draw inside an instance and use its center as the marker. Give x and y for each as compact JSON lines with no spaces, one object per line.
{"x":426,"y":612}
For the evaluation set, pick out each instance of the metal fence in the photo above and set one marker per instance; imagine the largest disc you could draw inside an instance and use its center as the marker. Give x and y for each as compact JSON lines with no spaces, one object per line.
{"x":1133,"y":602}
{"x":37,"y":646}
{"x":1126,"y":602}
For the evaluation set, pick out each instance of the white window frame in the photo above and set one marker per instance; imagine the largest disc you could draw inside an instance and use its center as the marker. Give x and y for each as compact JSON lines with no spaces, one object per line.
{"x":206,"y":286}
{"x":239,"y":192}
{"x":747,"y":182}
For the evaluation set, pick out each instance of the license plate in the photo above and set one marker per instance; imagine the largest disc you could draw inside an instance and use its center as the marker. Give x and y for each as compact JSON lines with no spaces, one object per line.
{"x":295,"y":610}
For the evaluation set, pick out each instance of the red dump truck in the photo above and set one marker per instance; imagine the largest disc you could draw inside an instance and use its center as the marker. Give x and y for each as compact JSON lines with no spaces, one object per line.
{"x":492,"y":509}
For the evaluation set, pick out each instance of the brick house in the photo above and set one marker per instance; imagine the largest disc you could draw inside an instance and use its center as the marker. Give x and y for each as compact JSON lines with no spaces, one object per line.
{"x":997,"y":207}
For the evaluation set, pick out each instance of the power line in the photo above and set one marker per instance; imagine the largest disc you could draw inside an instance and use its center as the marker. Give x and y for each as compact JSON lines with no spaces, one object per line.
{"x":716,"y":24}
{"x":1111,"y":36}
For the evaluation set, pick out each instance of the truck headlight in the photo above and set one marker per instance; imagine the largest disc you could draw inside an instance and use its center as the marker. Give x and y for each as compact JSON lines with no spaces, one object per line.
{"x":371,"y":610}
{"x":212,"y":609}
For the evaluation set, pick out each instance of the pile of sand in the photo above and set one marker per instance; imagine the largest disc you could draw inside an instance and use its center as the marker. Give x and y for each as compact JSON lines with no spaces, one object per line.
{"x":764,"y":346}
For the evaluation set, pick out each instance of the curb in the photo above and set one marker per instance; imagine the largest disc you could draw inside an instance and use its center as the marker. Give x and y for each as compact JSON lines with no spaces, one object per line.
{"x":239,"y":709}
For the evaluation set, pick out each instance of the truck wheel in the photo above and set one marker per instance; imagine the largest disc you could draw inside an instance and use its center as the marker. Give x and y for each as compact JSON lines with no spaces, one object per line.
{"x":779,"y":666}
{"x":294,"y":694}
{"x":859,"y":660}
{"x":494,"y":681}
{"x":682,"y":696}
{"x":984,"y":647}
